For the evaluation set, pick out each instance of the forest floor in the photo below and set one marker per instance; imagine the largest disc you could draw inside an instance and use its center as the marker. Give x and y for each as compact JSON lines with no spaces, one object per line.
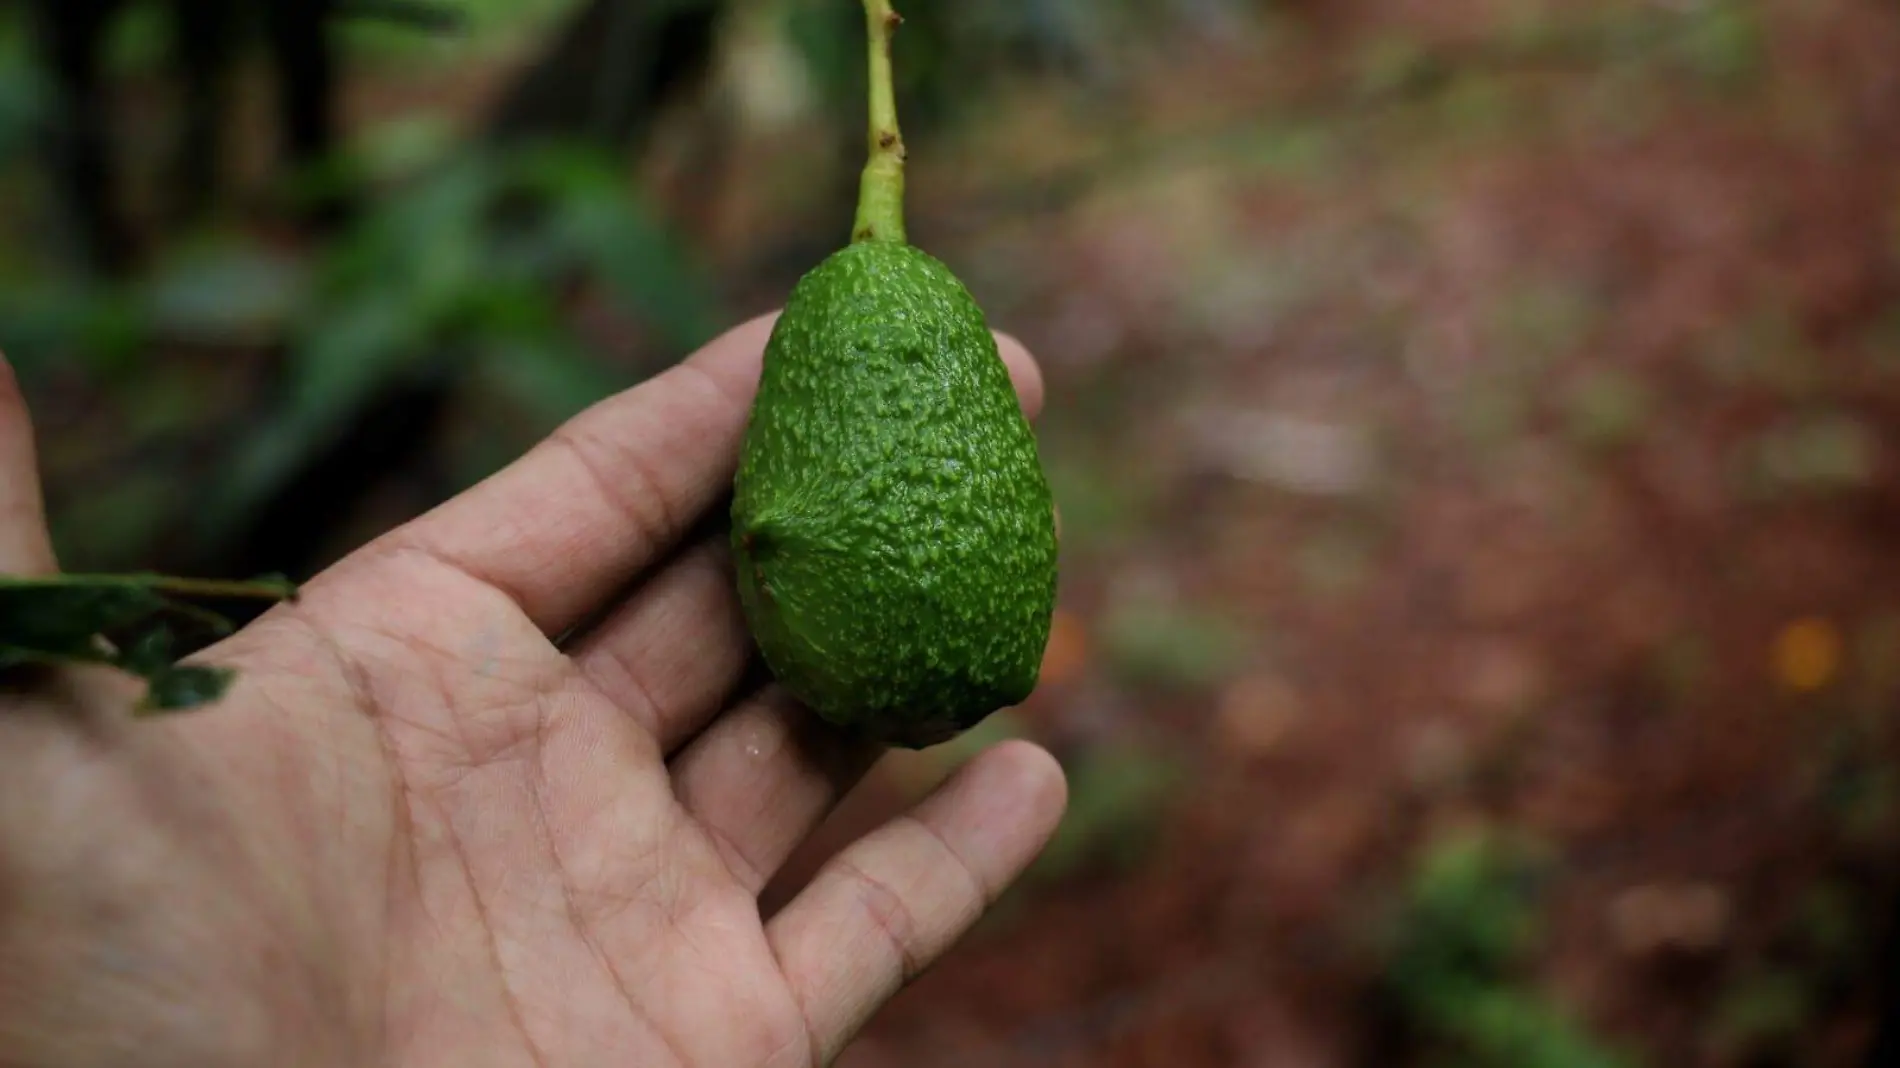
{"x":1497,"y":456}
{"x":1478,"y":448}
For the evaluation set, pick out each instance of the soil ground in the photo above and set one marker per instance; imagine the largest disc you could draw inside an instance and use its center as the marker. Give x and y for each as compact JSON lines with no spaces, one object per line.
{"x":1472,"y":421}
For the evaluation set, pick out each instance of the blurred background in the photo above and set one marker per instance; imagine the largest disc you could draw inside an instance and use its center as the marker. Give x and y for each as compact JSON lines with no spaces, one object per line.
{"x":1473,"y":423}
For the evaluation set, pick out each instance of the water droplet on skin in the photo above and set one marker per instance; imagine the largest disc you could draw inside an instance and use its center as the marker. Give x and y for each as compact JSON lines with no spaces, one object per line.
{"x":758,"y":741}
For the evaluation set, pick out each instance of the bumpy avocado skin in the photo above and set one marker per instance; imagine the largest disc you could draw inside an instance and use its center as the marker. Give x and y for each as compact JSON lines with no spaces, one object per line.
{"x":893,"y":529}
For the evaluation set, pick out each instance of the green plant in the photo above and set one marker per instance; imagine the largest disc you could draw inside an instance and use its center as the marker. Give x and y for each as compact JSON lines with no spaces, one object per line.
{"x":23,"y":92}
{"x":1607,"y":408}
{"x":1759,"y":1012}
{"x":1118,"y":803}
{"x":140,"y":624}
{"x":460,"y":271}
{"x":442,"y":271}
{"x":1149,"y":642}
{"x":1817,"y":453}
{"x":1467,"y":924}
{"x":1723,"y":43}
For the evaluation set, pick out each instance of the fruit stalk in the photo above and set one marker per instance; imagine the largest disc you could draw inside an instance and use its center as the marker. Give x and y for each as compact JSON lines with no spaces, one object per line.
{"x":881,"y":193}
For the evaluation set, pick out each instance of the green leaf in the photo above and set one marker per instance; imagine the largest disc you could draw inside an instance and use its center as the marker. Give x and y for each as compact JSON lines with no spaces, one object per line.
{"x":1724,"y":43}
{"x":26,"y":97}
{"x":1608,"y":408}
{"x":551,"y":378}
{"x":224,"y":287}
{"x":185,"y":688}
{"x":627,"y":244}
{"x":1823,"y":452}
{"x":1171,"y":647}
{"x":1119,"y":798}
{"x":1465,"y":934}
{"x":138,"y":623}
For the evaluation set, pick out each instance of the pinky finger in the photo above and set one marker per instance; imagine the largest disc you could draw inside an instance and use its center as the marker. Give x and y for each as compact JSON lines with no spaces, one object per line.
{"x":891,"y":903}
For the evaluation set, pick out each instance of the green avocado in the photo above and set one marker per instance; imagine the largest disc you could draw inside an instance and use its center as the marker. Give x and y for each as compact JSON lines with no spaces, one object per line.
{"x":892,"y":526}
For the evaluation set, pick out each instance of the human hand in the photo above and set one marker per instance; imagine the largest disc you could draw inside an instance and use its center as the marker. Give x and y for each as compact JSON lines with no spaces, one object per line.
{"x":418,"y":831}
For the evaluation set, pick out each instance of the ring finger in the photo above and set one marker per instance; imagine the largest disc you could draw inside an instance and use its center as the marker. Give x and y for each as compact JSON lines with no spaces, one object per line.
{"x":763,"y":776}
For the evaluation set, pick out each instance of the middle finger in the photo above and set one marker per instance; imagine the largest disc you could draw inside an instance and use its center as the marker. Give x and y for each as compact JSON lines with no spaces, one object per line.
{"x":763,"y":776}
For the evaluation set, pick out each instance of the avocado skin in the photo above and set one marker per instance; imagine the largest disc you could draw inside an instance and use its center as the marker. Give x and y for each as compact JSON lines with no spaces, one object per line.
{"x":892,"y":526}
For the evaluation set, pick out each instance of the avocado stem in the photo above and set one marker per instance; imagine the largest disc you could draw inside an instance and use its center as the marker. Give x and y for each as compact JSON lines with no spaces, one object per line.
{"x":881,"y":193}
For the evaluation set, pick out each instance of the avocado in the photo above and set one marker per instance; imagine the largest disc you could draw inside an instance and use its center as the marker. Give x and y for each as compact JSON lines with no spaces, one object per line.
{"x":893,"y":530}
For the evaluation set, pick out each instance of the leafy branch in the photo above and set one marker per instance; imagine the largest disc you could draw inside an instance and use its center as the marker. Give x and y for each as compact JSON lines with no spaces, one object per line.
{"x":142,"y":624}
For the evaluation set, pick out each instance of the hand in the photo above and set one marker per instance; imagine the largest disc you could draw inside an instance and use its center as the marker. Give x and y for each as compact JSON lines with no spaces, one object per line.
{"x":417,"y":831}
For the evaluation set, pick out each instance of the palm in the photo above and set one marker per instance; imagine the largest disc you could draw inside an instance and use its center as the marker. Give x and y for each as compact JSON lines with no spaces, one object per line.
{"x":462,"y":843}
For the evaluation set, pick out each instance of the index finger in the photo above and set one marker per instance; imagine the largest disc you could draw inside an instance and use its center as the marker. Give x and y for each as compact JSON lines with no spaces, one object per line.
{"x":617,"y":487}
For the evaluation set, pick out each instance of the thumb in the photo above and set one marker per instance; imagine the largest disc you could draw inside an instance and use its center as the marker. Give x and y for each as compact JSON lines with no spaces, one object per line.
{"x":25,"y":547}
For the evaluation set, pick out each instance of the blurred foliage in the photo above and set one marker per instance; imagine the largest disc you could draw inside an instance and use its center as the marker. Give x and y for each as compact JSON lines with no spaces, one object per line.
{"x":1100,"y":505}
{"x":1758,"y":1013}
{"x":405,"y":30}
{"x":1764,"y":1012}
{"x":460,"y":270}
{"x":1469,"y":920}
{"x":464,"y":267}
{"x":1120,"y":793}
{"x":23,"y":93}
{"x":1816,"y":453}
{"x":946,"y":48}
{"x":1154,"y":643}
{"x":1765,"y":350}
{"x":1607,"y":408}
{"x":1119,"y":797}
{"x":1718,"y":41}
{"x":1340,"y":559}
{"x":1859,"y":793}
{"x":441,"y":277}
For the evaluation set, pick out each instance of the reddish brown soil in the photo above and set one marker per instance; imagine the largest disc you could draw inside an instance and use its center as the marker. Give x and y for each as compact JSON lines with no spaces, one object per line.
{"x":1595,"y":638}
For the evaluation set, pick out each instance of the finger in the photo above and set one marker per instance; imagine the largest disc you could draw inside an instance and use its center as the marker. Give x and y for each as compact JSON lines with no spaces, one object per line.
{"x":888,"y":906}
{"x":25,"y":547}
{"x":613,"y":488}
{"x":763,"y":776}
{"x":1024,"y":373}
{"x":668,"y":655}
{"x":581,"y":512}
